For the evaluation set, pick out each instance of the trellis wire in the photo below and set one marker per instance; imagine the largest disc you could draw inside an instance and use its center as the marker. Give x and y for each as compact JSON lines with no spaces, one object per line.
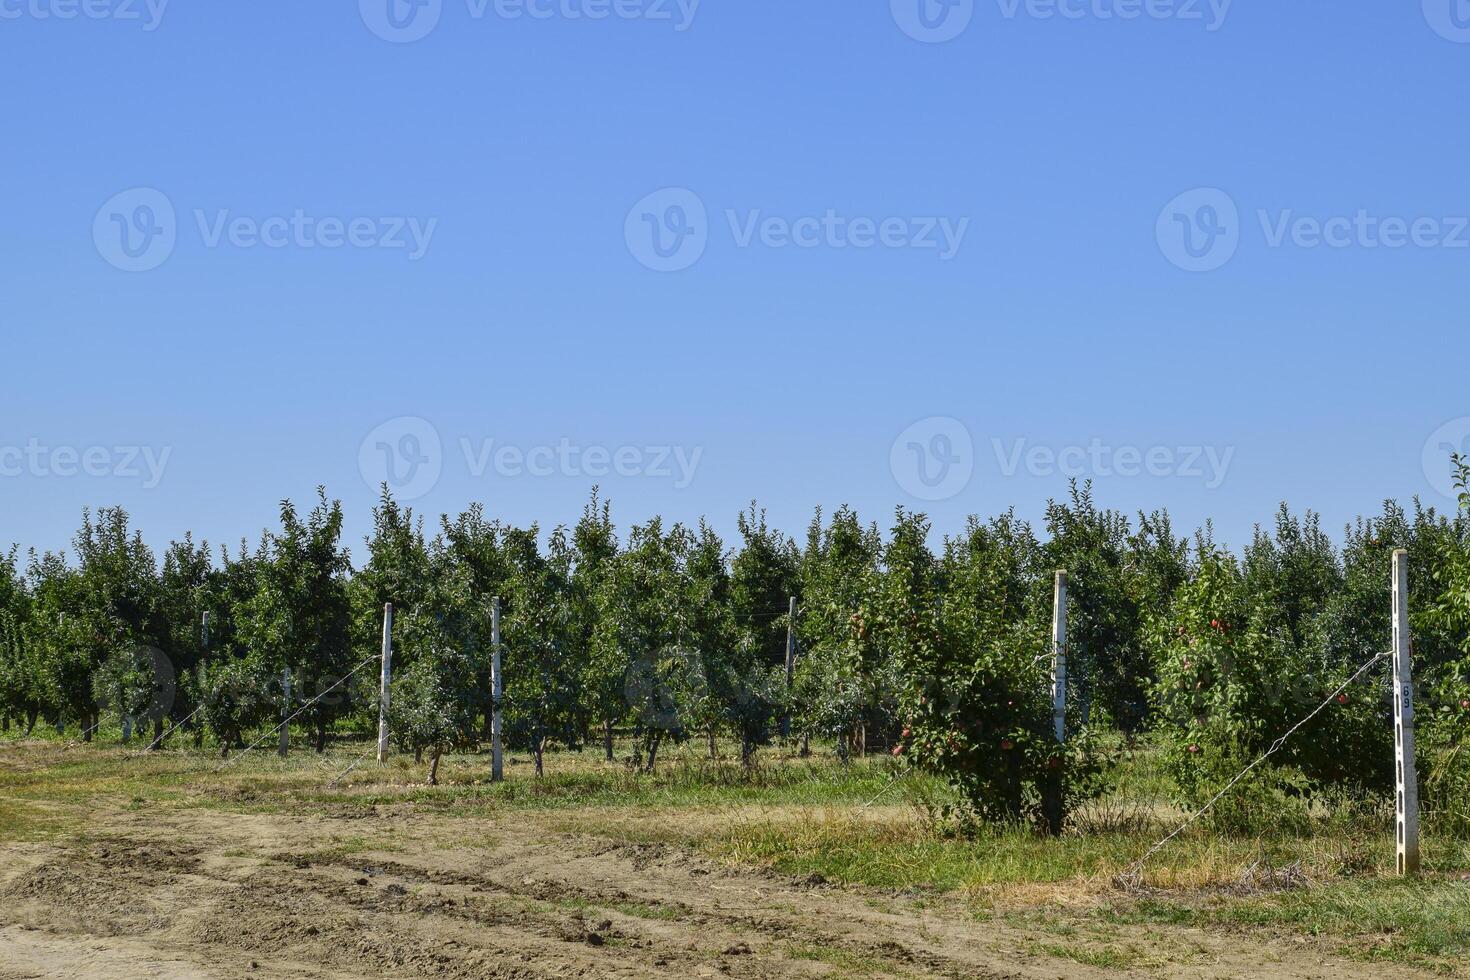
{"x":172,"y":728}
{"x":891,"y":783}
{"x":337,"y":779}
{"x":1132,"y":875}
{"x":253,"y":745}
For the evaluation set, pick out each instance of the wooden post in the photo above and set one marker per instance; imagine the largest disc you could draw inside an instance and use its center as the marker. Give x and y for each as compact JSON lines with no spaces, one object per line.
{"x":790,"y":667}
{"x":1407,"y":797}
{"x":1059,"y":657}
{"x":497,"y":691}
{"x":384,"y":683}
{"x":285,"y":712}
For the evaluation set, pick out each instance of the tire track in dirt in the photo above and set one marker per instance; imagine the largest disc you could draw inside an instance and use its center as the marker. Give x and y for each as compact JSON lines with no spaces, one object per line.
{"x":206,"y":894}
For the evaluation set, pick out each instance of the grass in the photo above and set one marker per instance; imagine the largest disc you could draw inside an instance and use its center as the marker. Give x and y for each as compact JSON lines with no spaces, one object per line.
{"x":812,"y":818}
{"x":1425,"y":921}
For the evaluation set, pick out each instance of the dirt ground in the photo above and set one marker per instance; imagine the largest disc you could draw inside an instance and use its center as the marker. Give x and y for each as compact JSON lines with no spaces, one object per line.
{"x":392,"y":892}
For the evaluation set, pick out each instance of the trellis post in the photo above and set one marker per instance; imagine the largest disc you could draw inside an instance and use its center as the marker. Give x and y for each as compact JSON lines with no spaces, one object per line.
{"x":497,"y":691}
{"x":1407,"y":796}
{"x":384,"y":683}
{"x":1059,"y":657}
{"x":285,"y":712}
{"x":790,"y":667}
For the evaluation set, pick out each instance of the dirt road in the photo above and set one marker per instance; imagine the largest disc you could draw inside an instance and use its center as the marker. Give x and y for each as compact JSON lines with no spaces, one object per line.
{"x":191,"y":893}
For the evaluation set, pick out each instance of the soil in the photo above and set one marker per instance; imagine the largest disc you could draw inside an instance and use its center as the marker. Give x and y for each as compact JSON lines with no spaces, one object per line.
{"x":393,"y":892}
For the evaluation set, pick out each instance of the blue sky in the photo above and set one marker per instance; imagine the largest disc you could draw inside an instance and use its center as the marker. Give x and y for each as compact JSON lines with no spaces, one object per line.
{"x":1137,"y":283}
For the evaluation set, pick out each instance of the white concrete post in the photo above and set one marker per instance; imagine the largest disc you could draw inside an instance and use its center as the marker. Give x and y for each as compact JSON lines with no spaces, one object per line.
{"x":1059,"y":657}
{"x":497,"y":691}
{"x":1407,"y":797}
{"x":384,"y":683}
{"x":790,"y":666}
{"x":204,"y":629}
{"x":285,"y":712}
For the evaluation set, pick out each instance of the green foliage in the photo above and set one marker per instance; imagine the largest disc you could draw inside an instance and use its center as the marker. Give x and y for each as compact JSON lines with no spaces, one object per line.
{"x":1106,"y":620}
{"x":944,"y":658}
{"x":298,"y":615}
{"x":975,"y":659}
{"x":842,"y":685}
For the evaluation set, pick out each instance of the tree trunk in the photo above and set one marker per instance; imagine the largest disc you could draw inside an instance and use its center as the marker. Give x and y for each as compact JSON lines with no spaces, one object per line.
{"x":714,"y":749}
{"x":607,"y":739}
{"x":31,"y":714}
{"x":747,"y":750}
{"x":538,"y":748}
{"x":653,"y":752}
{"x":418,"y":754}
{"x":434,"y":766}
{"x":635,"y":755}
{"x":806,"y":746}
{"x":321,"y":736}
{"x":157,"y":742}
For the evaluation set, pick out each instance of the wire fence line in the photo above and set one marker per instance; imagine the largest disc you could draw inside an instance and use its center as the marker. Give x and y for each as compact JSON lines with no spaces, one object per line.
{"x":1133,"y":876}
{"x":337,"y":779}
{"x":257,"y":743}
{"x":171,"y":729}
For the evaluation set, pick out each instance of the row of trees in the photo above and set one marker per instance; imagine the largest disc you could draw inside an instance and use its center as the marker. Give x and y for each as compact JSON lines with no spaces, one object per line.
{"x":941,"y":657}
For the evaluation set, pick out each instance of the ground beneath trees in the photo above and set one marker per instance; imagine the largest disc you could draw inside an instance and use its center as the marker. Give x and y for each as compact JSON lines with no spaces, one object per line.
{"x":148,"y":889}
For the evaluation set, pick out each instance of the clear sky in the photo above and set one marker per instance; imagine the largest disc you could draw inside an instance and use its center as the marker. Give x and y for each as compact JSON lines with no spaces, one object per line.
{"x":938,"y":253}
